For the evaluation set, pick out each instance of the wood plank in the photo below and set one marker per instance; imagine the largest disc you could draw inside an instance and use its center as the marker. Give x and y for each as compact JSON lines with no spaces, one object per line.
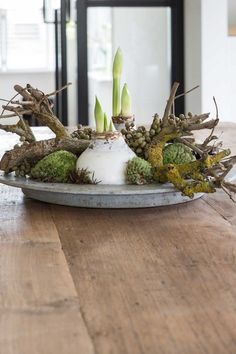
{"x":223,"y":205}
{"x":24,"y":220}
{"x":39,"y":306}
{"x":49,"y":331}
{"x":156,"y":280}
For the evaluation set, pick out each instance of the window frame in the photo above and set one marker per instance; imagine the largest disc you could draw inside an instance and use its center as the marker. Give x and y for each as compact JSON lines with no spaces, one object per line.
{"x":177,"y":46}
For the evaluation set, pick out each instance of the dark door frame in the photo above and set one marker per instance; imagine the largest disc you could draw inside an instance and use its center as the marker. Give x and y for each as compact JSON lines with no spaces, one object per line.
{"x":59,"y":18}
{"x":177,"y":45}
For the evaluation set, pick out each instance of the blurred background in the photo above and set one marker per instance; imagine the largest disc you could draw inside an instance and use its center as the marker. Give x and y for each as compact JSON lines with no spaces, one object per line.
{"x":48,"y":43}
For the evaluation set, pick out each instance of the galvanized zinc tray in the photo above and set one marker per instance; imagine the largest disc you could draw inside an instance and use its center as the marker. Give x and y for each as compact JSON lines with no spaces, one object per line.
{"x":100,"y":196}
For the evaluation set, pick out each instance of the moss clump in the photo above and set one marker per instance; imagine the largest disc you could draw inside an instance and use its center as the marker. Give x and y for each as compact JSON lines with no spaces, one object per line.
{"x":138,"y":171}
{"x":56,"y":167}
{"x":177,"y":154}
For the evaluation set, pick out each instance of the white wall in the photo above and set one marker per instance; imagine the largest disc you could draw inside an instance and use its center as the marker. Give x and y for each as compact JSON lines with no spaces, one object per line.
{"x":215,"y":57}
{"x":43,"y":80}
{"x":144,"y":37}
{"x":210,"y":57}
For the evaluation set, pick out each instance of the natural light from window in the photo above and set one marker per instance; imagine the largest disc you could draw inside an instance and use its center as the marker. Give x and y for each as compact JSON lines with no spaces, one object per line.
{"x":26,"y":42}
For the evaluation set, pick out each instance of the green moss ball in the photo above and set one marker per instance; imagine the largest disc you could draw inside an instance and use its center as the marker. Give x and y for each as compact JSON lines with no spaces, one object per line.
{"x":177,"y":154}
{"x":56,"y":167}
{"x":138,"y":171}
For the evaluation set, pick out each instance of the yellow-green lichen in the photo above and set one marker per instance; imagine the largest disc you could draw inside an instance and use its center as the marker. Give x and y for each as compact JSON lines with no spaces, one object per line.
{"x":155,"y":152}
{"x":190,"y":177}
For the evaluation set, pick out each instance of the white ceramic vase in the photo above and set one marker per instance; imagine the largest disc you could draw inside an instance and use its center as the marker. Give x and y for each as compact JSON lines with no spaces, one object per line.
{"x":106,"y":158}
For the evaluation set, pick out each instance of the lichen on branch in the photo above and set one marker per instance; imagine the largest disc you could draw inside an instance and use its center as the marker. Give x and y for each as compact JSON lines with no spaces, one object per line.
{"x":203,"y":175}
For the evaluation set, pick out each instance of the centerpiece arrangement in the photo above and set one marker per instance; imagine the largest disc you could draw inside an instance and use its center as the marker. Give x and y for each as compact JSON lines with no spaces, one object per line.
{"x":117,"y":152}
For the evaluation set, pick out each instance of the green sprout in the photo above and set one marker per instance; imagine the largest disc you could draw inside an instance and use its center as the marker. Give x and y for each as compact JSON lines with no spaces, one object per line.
{"x":112,"y":127}
{"x":117,"y":70}
{"x":106,"y":123}
{"x":125,"y":102}
{"x":99,"y":117}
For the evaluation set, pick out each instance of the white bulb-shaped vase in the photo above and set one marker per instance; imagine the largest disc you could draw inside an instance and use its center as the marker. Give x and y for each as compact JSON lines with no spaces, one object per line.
{"x":106,"y":158}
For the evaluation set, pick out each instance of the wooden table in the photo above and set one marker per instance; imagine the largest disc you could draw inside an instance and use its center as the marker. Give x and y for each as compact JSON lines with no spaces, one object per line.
{"x":77,"y":281}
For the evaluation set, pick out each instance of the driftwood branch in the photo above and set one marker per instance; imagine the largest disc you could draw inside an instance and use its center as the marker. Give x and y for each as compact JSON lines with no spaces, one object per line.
{"x":21,"y":128}
{"x":37,"y":150}
{"x":37,"y":104}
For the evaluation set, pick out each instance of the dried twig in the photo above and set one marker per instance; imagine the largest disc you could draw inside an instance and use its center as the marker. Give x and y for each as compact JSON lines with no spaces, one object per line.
{"x":185,"y":93}
{"x":190,"y":145}
{"x":38,"y":105}
{"x":59,"y":90}
{"x":9,"y":103}
{"x":169,"y":104}
{"x":209,"y":138}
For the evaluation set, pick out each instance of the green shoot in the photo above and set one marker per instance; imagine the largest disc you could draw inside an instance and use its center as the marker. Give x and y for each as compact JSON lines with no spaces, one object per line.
{"x":106,"y":123}
{"x":112,"y":127}
{"x":125,"y":102}
{"x":99,"y":117}
{"x":117,"y":70}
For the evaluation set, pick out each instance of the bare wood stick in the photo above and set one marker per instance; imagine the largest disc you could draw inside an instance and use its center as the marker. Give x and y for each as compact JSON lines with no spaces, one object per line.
{"x":11,"y":108}
{"x":29,"y":135}
{"x":206,"y":125}
{"x":14,"y":115}
{"x":230,"y":161}
{"x":10,"y":101}
{"x":190,"y":145}
{"x":198,"y":118}
{"x":20,"y":129}
{"x":42,"y":110}
{"x":169,"y":104}
{"x":185,"y":93}
{"x":59,"y":90}
{"x":23,"y":103}
{"x":23,"y":92}
{"x":209,"y":138}
{"x":3,"y":99}
{"x":230,"y":186}
{"x":224,"y":174}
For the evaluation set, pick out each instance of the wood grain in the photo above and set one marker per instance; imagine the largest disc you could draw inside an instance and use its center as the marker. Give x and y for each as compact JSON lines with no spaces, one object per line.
{"x":39,"y":306}
{"x":146,"y":281}
{"x":154,"y":281}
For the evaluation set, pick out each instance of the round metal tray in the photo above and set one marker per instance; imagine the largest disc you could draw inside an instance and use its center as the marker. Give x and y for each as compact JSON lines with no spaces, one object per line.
{"x":100,"y":196}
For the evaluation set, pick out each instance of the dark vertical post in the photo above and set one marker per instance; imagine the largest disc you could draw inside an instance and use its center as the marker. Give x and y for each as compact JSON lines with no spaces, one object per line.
{"x":82,"y":65}
{"x":64,"y":96}
{"x":57,"y":79}
{"x":177,"y":49}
